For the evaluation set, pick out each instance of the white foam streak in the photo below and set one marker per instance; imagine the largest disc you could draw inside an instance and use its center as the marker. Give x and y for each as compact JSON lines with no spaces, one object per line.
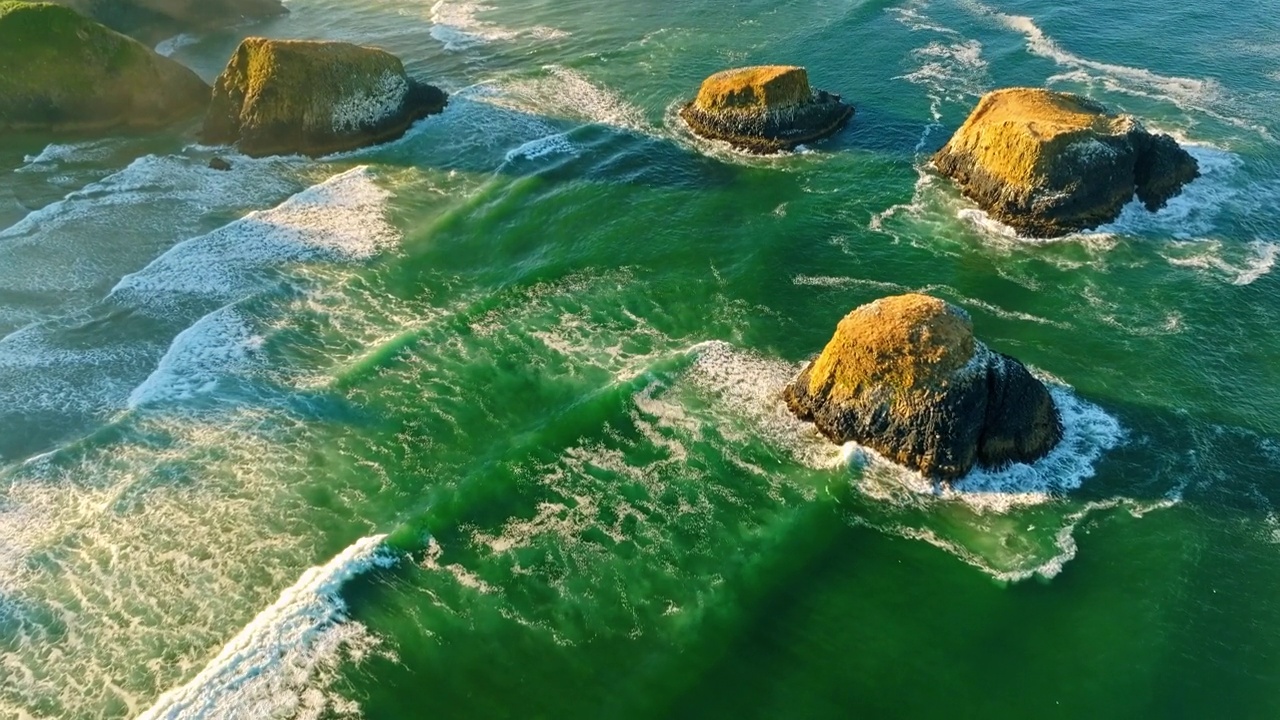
{"x":566,"y":93}
{"x":1194,"y":211}
{"x":1211,"y":256}
{"x":1088,"y":432}
{"x":171,"y":45}
{"x":267,"y":669}
{"x":61,"y":153}
{"x":558,"y":143}
{"x":339,"y":219}
{"x":1201,"y":95}
{"x":458,"y":27}
{"x":218,"y":344}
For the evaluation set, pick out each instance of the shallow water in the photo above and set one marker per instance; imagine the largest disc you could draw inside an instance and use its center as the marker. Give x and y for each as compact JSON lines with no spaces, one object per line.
{"x":485,"y":421}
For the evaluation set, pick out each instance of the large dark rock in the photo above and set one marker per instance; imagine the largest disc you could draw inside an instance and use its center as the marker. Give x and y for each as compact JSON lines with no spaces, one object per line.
{"x":1049,"y":163}
{"x":764,"y":109}
{"x":279,"y":97}
{"x":61,"y":72}
{"x":154,"y":20}
{"x":904,"y":376}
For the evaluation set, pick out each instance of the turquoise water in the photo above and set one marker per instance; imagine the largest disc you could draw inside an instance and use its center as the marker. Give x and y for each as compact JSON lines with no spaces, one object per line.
{"x":484,"y":422}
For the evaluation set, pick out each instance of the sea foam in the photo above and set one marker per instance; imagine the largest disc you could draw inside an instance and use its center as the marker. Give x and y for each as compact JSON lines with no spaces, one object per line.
{"x":339,"y":219}
{"x":457,"y":26}
{"x":218,"y":344}
{"x":1205,"y":96}
{"x":270,"y":668}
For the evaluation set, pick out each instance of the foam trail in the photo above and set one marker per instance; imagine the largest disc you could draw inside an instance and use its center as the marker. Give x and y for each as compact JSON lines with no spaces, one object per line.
{"x":1187,"y":93}
{"x":219,"y":343}
{"x":171,"y":45}
{"x":1245,"y":271}
{"x":59,"y":153}
{"x":266,"y":669}
{"x":341,"y":218}
{"x":1194,"y":211}
{"x":50,"y":260}
{"x":542,"y":147}
{"x":949,"y":72}
{"x":457,"y":27}
{"x":566,"y":93}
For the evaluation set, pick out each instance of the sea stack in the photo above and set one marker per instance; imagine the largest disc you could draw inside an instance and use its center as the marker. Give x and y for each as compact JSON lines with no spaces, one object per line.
{"x":765,"y":109}
{"x":281,"y":97}
{"x":1049,"y":163}
{"x":61,"y":72}
{"x":905,"y":377}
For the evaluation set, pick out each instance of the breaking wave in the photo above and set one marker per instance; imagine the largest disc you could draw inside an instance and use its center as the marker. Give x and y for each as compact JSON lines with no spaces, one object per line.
{"x":278,"y":664}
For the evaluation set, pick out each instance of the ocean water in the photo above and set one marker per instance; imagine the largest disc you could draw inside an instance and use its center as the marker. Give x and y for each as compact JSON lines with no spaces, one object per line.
{"x":484,"y":422}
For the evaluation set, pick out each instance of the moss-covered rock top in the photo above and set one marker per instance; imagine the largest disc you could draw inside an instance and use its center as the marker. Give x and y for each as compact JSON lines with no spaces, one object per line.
{"x":909,"y":343}
{"x":764,"y":109}
{"x":62,"y":71}
{"x":300,"y":96}
{"x":1049,"y":163}
{"x":754,"y":89}
{"x":905,"y":376}
{"x":1013,"y":131}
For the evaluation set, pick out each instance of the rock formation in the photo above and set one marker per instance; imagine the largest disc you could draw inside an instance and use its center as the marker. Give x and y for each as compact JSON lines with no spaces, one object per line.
{"x":1049,"y":163}
{"x":904,"y":376}
{"x":154,"y":20}
{"x":279,"y":97}
{"x":764,"y":109}
{"x":61,"y":72}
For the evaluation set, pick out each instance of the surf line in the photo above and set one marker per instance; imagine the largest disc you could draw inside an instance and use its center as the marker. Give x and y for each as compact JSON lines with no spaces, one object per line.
{"x":253,"y":670}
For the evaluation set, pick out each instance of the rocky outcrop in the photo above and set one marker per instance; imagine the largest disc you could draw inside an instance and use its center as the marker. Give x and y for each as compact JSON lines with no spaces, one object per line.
{"x":61,"y":72}
{"x":154,"y":20}
{"x":1049,"y":163}
{"x":764,"y":109}
{"x":280,"y":97}
{"x":904,"y":376}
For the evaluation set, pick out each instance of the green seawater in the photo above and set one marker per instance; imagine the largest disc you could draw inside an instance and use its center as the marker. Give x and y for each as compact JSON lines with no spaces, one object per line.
{"x":484,"y":422}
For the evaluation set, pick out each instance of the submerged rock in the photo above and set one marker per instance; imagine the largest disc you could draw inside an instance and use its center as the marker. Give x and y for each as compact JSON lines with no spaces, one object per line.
{"x":1049,"y":163}
{"x":904,"y":376}
{"x":764,"y":109}
{"x":279,"y":97}
{"x":154,"y":20}
{"x":62,"y":72}
{"x":217,"y":163}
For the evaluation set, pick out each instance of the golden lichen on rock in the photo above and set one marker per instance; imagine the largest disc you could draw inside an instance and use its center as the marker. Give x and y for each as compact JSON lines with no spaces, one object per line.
{"x":1009,"y":131}
{"x":281,"y":96}
{"x":764,"y":109}
{"x":911,"y":344}
{"x":754,"y":88}
{"x":1049,"y":163}
{"x":60,"y":71}
{"x":905,"y":376}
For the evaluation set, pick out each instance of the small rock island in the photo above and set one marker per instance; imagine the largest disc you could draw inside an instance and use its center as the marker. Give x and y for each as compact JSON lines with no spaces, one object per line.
{"x":1049,"y":163}
{"x":764,"y":109}
{"x":63,"y":73}
{"x":282,"y":97}
{"x":905,"y":376}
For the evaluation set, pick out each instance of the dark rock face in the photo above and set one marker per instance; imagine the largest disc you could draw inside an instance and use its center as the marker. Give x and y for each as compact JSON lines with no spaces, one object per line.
{"x":279,"y":97}
{"x":1049,"y":163}
{"x":61,"y":72}
{"x":765,"y":109}
{"x":154,"y":20}
{"x":904,"y":376}
{"x":218,"y":163}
